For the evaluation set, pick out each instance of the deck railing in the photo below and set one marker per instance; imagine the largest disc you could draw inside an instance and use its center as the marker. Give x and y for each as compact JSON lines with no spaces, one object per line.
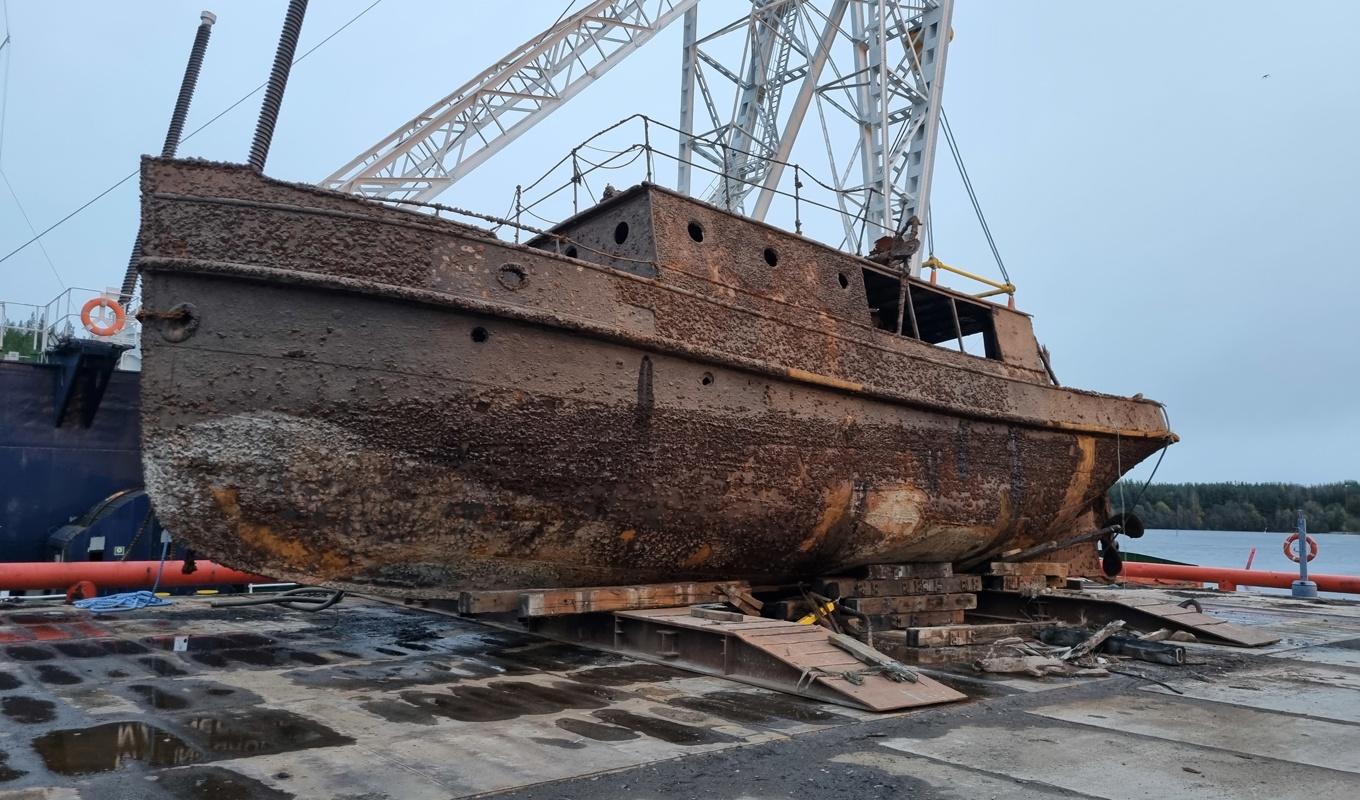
{"x":31,"y":331}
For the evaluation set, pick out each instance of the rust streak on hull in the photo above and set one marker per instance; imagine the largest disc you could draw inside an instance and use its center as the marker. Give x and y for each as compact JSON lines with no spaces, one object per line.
{"x":378,"y":400}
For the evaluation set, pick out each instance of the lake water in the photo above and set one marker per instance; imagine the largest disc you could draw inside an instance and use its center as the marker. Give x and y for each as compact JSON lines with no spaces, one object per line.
{"x":1338,"y":553}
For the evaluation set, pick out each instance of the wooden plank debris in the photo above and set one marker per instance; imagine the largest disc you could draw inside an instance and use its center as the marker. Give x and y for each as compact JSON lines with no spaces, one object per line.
{"x":962,"y":635}
{"x":896,"y":587}
{"x":921,"y":569}
{"x":556,"y":602}
{"x":1053,"y":569}
{"x":912,"y":603}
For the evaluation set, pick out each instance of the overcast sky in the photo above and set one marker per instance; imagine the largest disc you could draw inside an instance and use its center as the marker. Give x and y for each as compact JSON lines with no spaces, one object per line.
{"x":1179,"y":224}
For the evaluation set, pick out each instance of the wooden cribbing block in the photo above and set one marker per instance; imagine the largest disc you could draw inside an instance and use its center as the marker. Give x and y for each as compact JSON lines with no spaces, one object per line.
{"x":912,"y":603}
{"x":961,"y":635}
{"x":556,"y":602}
{"x":1016,"y":583}
{"x":898,"y":587}
{"x":917,"y":619}
{"x":918,"y":569}
{"x":498,"y":602}
{"x":1045,"y":568}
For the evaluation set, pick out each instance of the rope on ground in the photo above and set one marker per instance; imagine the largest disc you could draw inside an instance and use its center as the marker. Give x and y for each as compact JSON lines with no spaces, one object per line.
{"x":129,"y":601}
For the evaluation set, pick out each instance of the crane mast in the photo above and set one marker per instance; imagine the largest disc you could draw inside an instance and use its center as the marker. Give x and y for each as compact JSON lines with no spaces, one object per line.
{"x":873,"y":70}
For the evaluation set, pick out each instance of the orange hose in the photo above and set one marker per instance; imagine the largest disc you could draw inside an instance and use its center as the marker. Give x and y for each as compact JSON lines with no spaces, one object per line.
{"x":118,"y":574}
{"x":1227,"y":577}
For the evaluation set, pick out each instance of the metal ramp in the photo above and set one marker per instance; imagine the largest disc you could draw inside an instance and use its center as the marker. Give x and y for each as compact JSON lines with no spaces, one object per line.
{"x":773,"y":654}
{"x":1144,"y":612}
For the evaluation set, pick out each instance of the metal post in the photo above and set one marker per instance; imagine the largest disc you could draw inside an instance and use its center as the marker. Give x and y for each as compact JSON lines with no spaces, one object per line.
{"x":176,"y":129}
{"x":687,"y":74}
{"x":278,"y":81}
{"x":1303,"y":587}
{"x":647,"y":145}
{"x":519,"y":208}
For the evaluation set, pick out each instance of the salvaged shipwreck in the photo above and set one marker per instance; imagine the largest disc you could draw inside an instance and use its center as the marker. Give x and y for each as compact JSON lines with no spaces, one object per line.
{"x":339,"y":392}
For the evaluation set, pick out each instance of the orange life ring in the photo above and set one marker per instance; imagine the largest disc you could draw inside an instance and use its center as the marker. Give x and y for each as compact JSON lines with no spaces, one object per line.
{"x":87,"y":318}
{"x":1289,"y":547}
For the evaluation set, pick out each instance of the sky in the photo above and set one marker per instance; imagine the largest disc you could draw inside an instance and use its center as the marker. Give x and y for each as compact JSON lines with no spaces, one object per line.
{"x":1173,"y":191}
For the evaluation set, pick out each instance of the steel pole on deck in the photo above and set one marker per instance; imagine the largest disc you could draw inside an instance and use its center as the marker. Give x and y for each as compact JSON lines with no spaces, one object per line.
{"x":1303,"y":587}
{"x":176,"y":129}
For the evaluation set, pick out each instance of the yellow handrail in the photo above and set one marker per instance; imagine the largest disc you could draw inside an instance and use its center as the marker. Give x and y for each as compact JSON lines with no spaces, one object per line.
{"x":1007,"y":288}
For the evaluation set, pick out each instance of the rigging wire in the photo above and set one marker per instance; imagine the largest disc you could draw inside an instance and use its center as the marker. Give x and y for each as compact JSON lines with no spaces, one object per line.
{"x":972,"y":193}
{"x":188,"y":135}
{"x":24,"y":213}
{"x":7,"y":46}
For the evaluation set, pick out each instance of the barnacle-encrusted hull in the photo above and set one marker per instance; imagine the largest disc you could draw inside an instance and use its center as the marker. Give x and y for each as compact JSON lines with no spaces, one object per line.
{"x":338,"y":392}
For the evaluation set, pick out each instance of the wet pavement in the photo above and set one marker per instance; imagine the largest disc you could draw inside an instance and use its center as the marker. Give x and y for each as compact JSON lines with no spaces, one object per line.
{"x":373,"y":701}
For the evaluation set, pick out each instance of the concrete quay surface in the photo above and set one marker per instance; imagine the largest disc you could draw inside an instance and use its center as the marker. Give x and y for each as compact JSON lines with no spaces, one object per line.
{"x":372,"y":701}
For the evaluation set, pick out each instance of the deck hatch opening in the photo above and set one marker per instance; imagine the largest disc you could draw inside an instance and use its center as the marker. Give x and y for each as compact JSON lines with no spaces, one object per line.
{"x":922,"y":312}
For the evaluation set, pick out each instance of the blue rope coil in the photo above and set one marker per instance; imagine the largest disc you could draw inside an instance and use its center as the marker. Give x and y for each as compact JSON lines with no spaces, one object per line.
{"x":129,"y":601}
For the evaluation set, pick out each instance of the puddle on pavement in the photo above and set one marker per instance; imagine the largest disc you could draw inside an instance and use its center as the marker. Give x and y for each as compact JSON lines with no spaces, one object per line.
{"x":499,"y":700}
{"x":596,"y":731}
{"x":41,"y":619}
{"x":99,"y":648}
{"x":104,"y":748}
{"x":565,"y":744}
{"x":9,"y":680}
{"x":391,"y":675}
{"x":260,"y":731}
{"x":159,"y":698}
{"x":51,"y":673}
{"x":208,"y":642}
{"x":162,"y":666}
{"x":216,"y":783}
{"x":26,"y":652}
{"x":663,"y":729}
{"x":8,"y":773}
{"x":28,"y":710}
{"x":628,"y":673}
{"x":751,"y":707}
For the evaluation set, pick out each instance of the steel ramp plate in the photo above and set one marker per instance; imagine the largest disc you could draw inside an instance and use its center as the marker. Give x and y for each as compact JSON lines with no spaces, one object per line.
{"x":786,"y":656}
{"x":1206,"y":628}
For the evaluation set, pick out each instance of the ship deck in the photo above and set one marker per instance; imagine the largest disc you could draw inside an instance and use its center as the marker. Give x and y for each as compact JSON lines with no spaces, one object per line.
{"x":371,"y":700}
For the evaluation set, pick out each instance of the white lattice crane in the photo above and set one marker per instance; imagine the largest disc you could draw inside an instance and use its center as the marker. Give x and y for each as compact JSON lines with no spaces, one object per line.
{"x":872,"y":69}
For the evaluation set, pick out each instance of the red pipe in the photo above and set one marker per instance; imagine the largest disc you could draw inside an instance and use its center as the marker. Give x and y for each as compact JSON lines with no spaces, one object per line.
{"x":118,"y":574}
{"x":1228,"y":578}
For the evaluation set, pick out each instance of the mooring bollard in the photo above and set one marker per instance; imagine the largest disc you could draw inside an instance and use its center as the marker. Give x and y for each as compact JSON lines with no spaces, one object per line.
{"x":1303,"y":587}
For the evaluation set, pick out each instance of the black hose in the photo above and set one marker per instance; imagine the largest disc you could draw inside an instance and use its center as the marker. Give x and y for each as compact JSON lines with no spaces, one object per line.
{"x":309,"y":599}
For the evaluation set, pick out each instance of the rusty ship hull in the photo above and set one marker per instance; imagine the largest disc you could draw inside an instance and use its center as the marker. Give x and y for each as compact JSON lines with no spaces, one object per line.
{"x":343,"y":393}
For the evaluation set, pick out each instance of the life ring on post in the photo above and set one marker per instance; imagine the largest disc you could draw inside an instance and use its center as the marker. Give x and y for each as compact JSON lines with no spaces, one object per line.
{"x":105,"y":329}
{"x":1289,"y":547}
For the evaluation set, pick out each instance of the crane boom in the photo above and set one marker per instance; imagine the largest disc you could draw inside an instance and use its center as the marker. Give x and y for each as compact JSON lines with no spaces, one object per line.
{"x":450,"y":138}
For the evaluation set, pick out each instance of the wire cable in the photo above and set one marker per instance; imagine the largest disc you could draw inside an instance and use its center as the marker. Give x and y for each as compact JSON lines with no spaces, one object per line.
{"x":972,"y":193}
{"x":187,"y":136}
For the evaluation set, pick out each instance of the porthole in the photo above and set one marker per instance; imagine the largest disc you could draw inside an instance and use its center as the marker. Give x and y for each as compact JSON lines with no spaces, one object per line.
{"x":480,"y":334}
{"x":512,"y":276}
{"x":570,"y":252}
{"x":707,"y":380}
{"x":771,"y":257}
{"x":843,"y":281}
{"x":696,"y":231}
{"x":621,"y":233}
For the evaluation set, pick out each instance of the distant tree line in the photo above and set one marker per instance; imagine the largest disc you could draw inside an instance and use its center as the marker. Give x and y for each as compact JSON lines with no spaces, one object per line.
{"x":1329,"y":507}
